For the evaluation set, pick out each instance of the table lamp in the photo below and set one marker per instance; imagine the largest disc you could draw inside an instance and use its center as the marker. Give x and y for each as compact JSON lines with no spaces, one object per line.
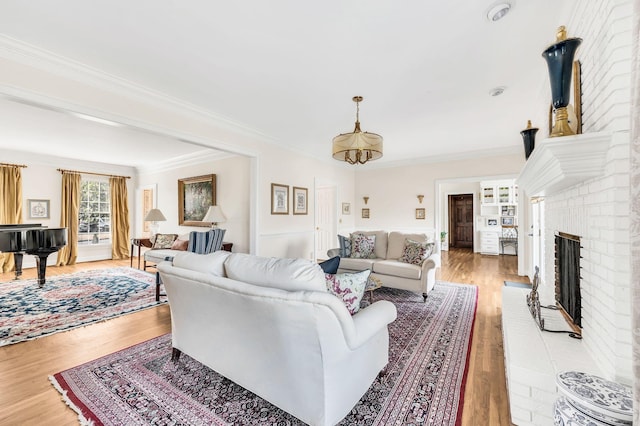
{"x":215,"y":216}
{"x":154,"y":216}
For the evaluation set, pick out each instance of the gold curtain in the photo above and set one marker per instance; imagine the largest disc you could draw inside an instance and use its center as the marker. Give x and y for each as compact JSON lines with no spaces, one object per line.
{"x":69,"y":217}
{"x":119,"y":218}
{"x":10,"y":205}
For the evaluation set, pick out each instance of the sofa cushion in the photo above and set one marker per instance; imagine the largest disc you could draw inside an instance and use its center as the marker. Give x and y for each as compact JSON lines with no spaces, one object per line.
{"x":349,"y":287}
{"x":180,"y":245}
{"x":330,"y":266}
{"x":285,"y":274}
{"x":398,"y":269}
{"x":163,"y":241}
{"x":380,"y":249}
{"x":159,"y":255}
{"x":212,"y":263}
{"x":345,"y":245}
{"x":356,"y":264}
{"x":397,"y":240}
{"x":362,"y":246}
{"x":415,"y":252}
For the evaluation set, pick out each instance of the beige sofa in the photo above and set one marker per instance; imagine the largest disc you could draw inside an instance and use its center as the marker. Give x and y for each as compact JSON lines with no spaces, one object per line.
{"x":388,"y":269}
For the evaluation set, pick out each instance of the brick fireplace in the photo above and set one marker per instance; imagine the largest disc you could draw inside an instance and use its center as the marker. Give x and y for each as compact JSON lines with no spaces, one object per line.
{"x":580,"y":179}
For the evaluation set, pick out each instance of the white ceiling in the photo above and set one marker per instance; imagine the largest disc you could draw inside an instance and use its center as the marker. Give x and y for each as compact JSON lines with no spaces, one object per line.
{"x":289,"y":68}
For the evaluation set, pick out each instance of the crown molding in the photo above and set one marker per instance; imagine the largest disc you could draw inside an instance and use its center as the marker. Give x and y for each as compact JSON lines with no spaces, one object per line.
{"x":26,"y":54}
{"x":186,"y":160}
{"x":460,"y":156}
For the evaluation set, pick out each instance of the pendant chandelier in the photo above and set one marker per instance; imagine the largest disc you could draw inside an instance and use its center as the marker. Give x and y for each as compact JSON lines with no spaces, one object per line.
{"x":357,"y":147}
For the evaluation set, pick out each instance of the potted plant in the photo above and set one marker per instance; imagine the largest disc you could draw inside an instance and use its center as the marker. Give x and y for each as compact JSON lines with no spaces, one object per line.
{"x":443,"y":235}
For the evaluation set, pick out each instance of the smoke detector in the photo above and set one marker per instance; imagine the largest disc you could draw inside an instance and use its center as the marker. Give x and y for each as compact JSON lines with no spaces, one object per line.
{"x":497,"y":91}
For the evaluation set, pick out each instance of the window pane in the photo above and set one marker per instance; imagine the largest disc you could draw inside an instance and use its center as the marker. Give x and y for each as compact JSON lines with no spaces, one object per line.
{"x":94,"y":217}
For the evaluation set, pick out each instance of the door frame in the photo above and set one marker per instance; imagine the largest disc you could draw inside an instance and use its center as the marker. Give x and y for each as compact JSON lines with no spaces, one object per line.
{"x":321,"y":184}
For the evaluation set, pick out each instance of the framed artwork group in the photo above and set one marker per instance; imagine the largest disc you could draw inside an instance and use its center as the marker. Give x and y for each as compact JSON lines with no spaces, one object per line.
{"x":280,"y":199}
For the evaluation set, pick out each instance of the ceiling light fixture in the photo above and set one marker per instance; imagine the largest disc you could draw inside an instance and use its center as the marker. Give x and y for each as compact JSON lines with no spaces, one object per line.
{"x":357,"y":147}
{"x":497,"y":91}
{"x":498,"y":11}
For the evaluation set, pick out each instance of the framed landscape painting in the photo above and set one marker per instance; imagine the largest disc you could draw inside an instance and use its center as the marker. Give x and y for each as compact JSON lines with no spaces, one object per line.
{"x":195,"y":195}
{"x":279,"y":199}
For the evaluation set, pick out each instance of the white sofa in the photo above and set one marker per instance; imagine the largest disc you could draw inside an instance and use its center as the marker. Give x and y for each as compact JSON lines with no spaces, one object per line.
{"x":388,"y":269}
{"x":270,"y":326}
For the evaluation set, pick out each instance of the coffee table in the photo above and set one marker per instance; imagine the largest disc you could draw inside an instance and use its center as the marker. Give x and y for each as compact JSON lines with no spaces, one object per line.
{"x":372,"y":285}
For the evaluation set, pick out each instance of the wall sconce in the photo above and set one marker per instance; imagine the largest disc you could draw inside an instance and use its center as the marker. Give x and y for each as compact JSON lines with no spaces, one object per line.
{"x":420,"y":198}
{"x":366,"y":199}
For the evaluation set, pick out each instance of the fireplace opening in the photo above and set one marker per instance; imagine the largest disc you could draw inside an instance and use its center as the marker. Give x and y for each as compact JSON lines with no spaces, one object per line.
{"x":567,"y":277}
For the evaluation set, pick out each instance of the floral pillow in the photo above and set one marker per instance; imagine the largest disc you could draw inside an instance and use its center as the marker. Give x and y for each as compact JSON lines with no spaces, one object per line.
{"x":415,"y":252}
{"x":164,"y":241}
{"x":362,"y":246}
{"x":348,"y":287}
{"x":345,"y":246}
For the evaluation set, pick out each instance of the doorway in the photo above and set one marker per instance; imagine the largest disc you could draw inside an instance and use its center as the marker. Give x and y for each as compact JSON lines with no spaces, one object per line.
{"x":461,"y":220}
{"x":325,"y":220}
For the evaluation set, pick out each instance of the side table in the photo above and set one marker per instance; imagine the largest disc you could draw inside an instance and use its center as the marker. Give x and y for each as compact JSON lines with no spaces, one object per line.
{"x":139,"y":242}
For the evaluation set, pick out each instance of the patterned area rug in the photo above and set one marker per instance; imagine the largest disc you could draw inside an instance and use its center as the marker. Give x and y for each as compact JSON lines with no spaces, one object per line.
{"x":424,"y":384}
{"x":28,"y":311}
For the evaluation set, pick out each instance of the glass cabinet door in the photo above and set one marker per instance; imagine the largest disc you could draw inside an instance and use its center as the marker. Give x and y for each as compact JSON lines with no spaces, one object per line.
{"x":504,"y":193}
{"x":488,"y":195}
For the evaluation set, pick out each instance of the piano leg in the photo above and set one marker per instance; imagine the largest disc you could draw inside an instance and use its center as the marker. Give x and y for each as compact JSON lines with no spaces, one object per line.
{"x":17,"y":260}
{"x":41,"y":263}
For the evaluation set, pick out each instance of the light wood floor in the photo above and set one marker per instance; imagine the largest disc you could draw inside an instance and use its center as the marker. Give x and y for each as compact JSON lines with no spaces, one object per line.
{"x":27,"y":397}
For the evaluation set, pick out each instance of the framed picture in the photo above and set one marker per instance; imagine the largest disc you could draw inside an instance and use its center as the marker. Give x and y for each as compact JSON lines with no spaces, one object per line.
{"x":299,"y":200}
{"x":195,"y":195}
{"x":38,"y":209}
{"x":279,"y":199}
{"x":492,"y":222}
{"x":149,"y":201}
{"x":365,"y":213}
{"x":421,"y":214}
{"x":346,"y":208}
{"x":507,"y":221}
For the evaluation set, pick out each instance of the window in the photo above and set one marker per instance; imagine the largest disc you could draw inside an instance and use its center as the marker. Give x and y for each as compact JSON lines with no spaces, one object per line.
{"x":94,"y":225}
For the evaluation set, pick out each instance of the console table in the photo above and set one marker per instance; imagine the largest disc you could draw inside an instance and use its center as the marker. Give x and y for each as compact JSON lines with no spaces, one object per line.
{"x":139,"y":242}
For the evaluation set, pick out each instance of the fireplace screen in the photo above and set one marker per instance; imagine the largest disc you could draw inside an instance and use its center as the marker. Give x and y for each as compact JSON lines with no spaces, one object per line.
{"x":567,"y":253}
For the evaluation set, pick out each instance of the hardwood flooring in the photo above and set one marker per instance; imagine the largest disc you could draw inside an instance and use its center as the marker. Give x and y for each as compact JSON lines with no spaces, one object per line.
{"x":28,"y":398}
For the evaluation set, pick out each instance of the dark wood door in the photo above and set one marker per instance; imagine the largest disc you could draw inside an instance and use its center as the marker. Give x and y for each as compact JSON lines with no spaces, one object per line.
{"x":461,"y":220}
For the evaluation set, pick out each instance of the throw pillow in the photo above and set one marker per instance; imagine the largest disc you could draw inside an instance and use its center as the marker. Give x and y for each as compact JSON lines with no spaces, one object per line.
{"x":362,"y":246}
{"x":180,"y":245}
{"x":330,"y":266}
{"x":415,"y":252}
{"x":349,"y":288}
{"x":345,"y":246}
{"x":164,"y":241}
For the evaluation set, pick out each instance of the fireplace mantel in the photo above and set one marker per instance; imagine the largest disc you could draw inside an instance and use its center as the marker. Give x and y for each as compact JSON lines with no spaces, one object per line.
{"x":559,"y":163}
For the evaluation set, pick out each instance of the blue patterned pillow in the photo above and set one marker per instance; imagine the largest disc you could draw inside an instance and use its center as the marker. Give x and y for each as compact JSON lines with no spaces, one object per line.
{"x":362,"y":246}
{"x":345,"y":246}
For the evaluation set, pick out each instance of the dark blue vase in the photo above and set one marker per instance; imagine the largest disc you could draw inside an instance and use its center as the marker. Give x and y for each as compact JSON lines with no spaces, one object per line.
{"x":529,"y":139}
{"x":559,"y":57}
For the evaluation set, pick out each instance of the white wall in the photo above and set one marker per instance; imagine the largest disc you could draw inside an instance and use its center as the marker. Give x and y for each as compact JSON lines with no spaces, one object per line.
{"x":232,"y":195}
{"x":393,"y":191}
{"x":41,"y":180}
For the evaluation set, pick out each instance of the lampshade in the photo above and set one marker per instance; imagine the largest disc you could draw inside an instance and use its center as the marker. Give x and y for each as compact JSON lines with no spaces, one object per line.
{"x":214,"y":215}
{"x":154,"y":215}
{"x":357,"y":147}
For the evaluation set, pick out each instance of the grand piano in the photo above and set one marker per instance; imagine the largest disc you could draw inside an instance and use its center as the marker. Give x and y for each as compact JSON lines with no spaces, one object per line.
{"x":32,"y":239}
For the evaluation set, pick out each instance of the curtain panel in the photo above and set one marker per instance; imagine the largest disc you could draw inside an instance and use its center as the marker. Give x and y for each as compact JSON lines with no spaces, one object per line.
{"x":69,"y":217}
{"x":119,"y":218}
{"x":10,"y":206}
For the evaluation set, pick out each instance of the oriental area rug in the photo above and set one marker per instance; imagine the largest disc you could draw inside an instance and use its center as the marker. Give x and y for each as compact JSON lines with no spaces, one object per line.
{"x":424,"y":381}
{"x":28,"y":311}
